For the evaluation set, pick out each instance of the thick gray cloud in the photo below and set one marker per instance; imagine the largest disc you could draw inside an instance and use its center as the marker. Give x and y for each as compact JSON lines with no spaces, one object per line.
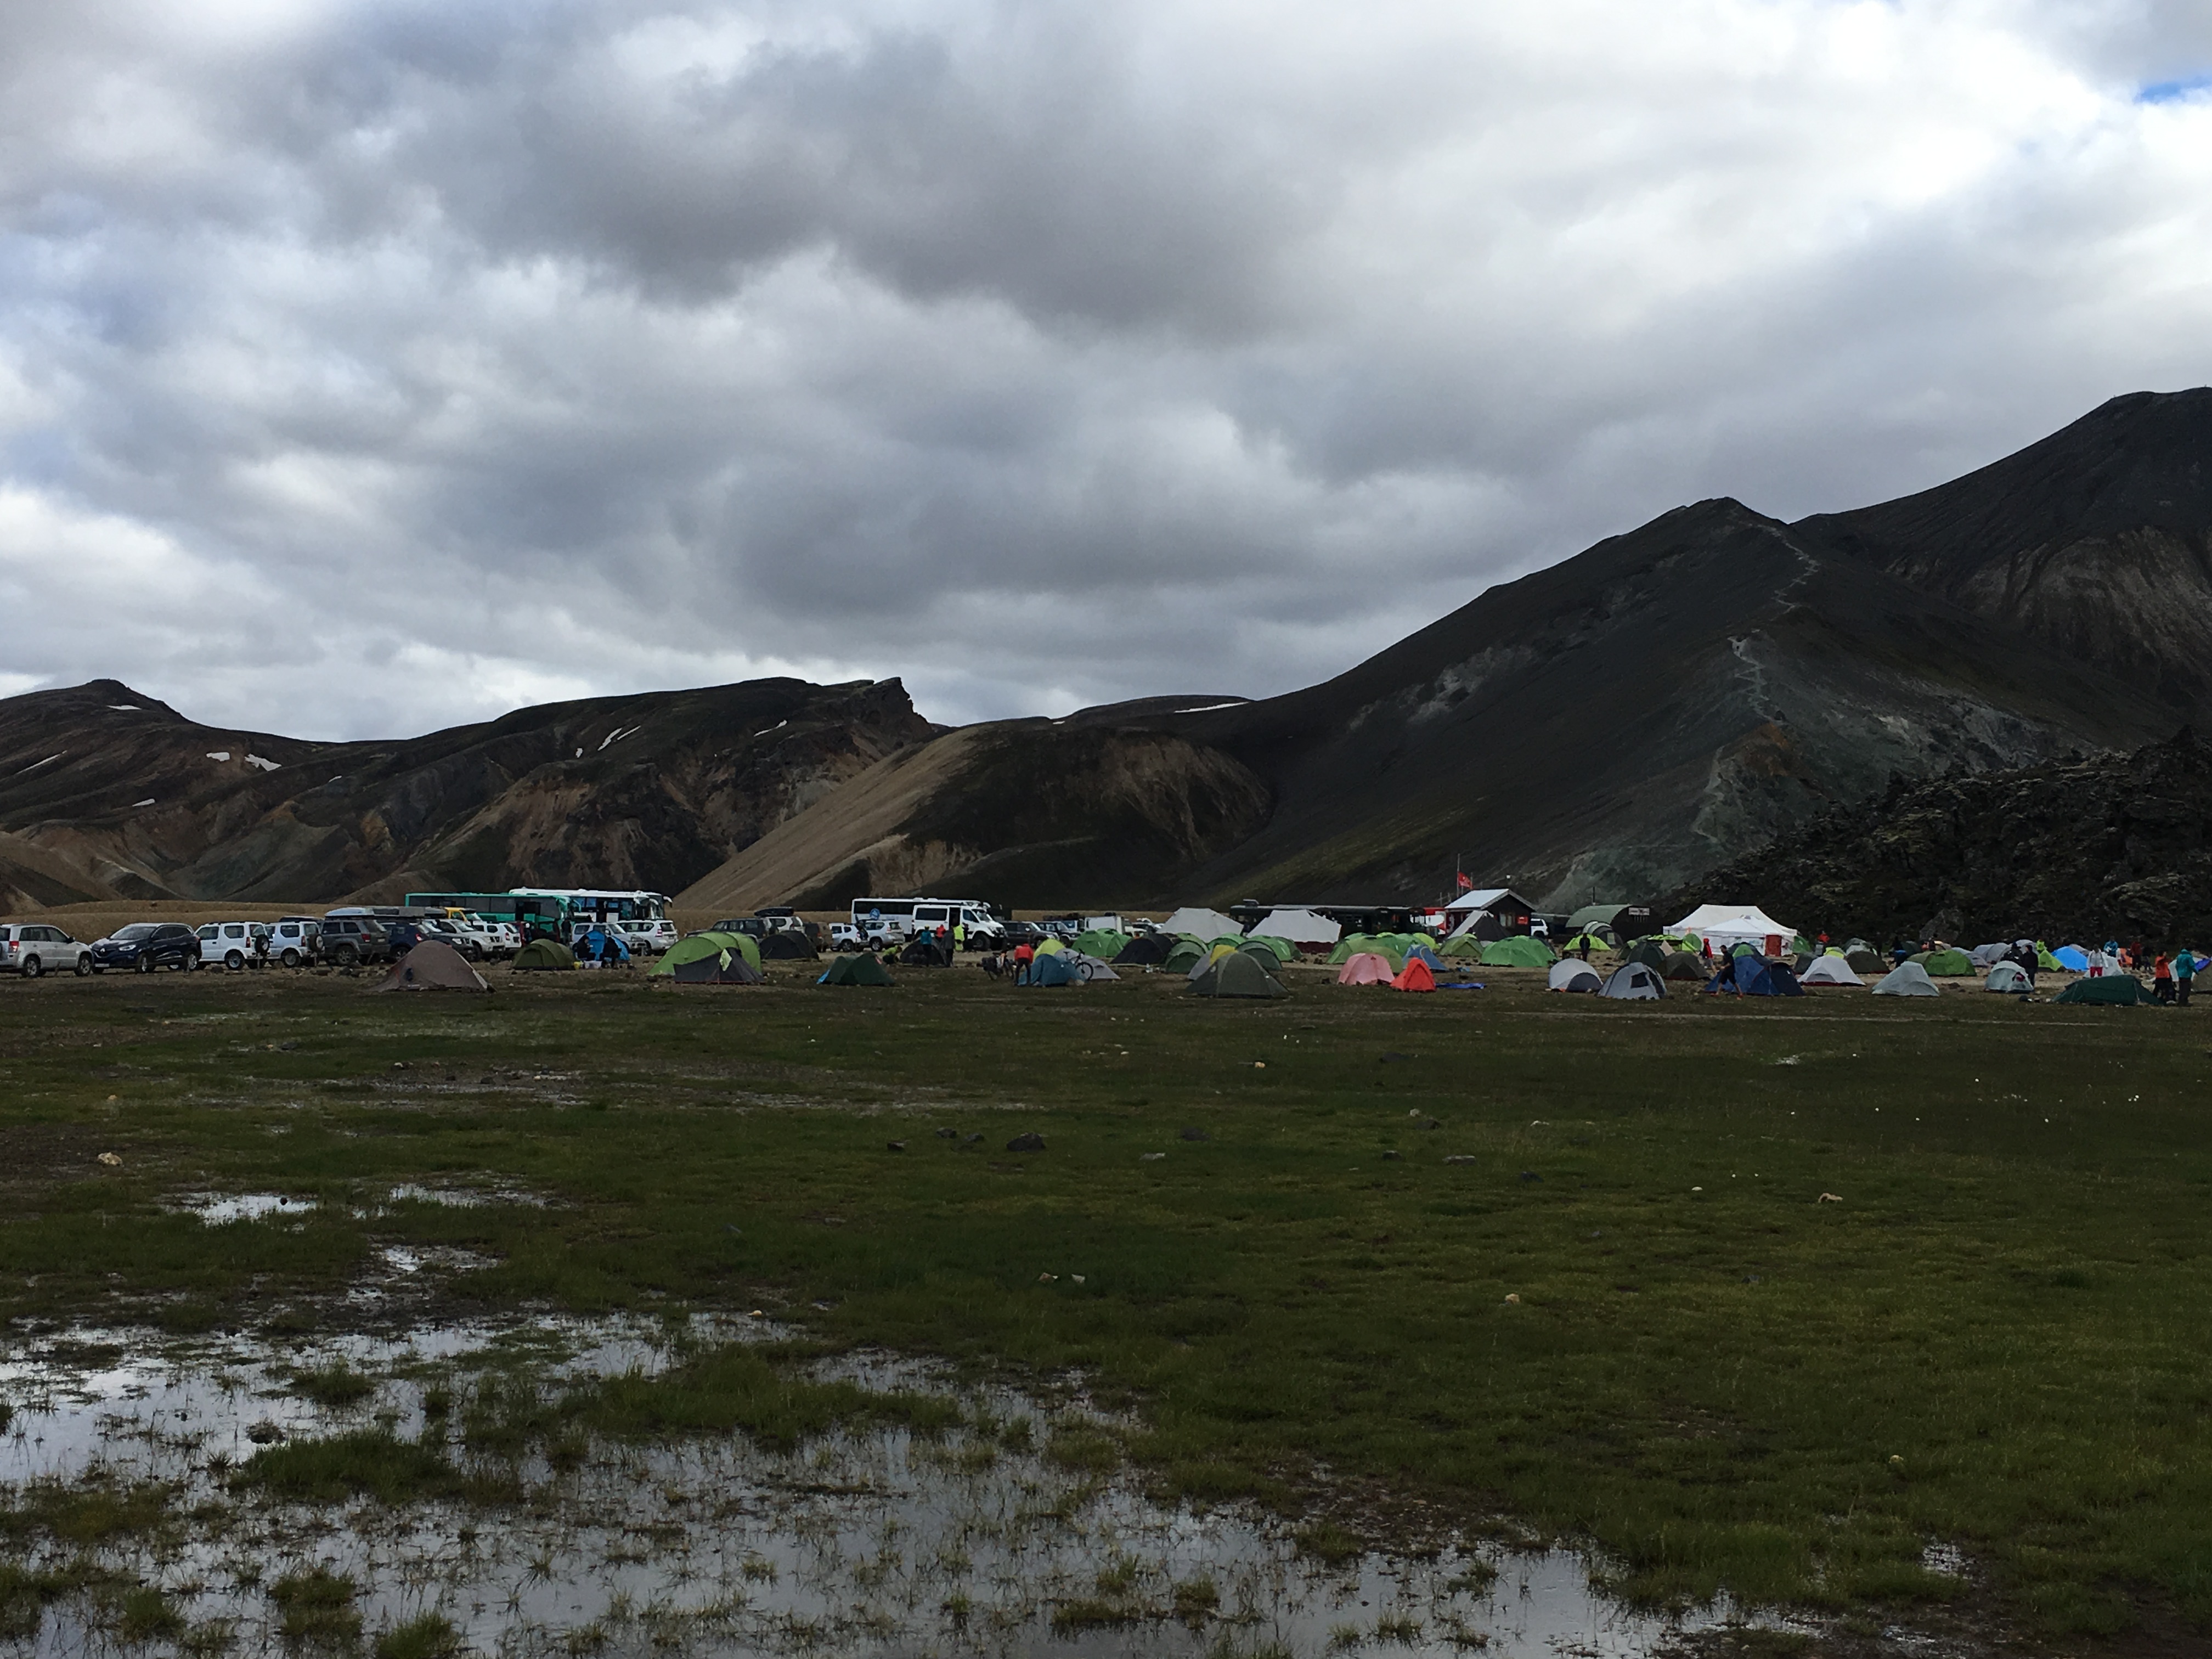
{"x":366,"y":366}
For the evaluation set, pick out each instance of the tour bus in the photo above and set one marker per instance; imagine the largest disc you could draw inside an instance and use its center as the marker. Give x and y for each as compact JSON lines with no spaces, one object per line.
{"x":908,"y":917}
{"x":553,"y":912}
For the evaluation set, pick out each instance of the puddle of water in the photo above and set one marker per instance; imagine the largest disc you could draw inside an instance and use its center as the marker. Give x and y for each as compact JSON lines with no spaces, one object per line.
{"x":220,"y":1209}
{"x":867,"y":1543}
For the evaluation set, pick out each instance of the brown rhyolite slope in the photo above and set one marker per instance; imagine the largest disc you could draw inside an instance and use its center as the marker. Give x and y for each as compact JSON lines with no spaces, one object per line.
{"x":649,"y":791}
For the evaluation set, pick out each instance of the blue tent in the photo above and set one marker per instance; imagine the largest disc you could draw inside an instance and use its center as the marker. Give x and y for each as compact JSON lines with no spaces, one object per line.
{"x":1748,"y":975}
{"x":2072,"y":957}
{"x":1422,"y":953}
{"x":1054,"y":969}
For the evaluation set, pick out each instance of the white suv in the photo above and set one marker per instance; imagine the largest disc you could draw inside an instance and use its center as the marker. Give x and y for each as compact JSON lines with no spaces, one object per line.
{"x":234,"y":945}
{"x":33,"y":948}
{"x":292,"y":940}
{"x":477,"y":939}
{"x":654,"y":937}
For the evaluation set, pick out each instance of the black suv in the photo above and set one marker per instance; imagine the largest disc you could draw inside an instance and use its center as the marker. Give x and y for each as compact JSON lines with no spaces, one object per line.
{"x":146,"y":945}
{"x":349,"y":941}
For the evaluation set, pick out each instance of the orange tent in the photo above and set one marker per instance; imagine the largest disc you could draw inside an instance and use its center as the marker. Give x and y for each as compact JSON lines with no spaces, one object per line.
{"x":1416,"y":976}
{"x":1364,"y":968}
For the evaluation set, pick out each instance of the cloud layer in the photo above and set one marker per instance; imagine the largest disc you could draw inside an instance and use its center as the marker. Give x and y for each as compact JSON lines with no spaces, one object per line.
{"x":369,"y":366}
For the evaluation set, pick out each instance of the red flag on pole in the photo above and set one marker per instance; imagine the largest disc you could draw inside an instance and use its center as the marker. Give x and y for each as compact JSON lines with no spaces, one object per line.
{"x":1465,"y":881}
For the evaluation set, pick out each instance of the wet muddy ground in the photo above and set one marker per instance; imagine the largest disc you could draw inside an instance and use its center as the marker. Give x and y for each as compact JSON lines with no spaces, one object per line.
{"x":1003,"y":1526}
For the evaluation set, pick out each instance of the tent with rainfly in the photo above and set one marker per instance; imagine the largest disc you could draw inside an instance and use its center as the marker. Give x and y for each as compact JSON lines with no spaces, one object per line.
{"x":1365,"y":969}
{"x":2072,"y":957}
{"x":700,"y":960}
{"x":1415,"y":976}
{"x":1752,"y":975}
{"x":1683,"y":965}
{"x":1187,"y":954}
{"x":1460,"y":947}
{"x":1593,"y":943}
{"x":2106,"y":991}
{"x":1104,"y":942}
{"x":785,"y":944}
{"x":740,"y":945}
{"x":1236,"y":975}
{"x":2008,"y":976}
{"x":1058,"y":969}
{"x":1214,"y":953}
{"x":1828,"y":971}
{"x":1373,"y":943}
{"x":433,"y":966}
{"x":544,"y":956}
{"x":1636,"y":981}
{"x":1651,"y":952}
{"x":862,"y":969}
{"x":1946,"y":963}
{"x":1516,"y":950}
{"x":1145,"y":950}
{"x":1570,"y":975}
{"x":1907,"y":979}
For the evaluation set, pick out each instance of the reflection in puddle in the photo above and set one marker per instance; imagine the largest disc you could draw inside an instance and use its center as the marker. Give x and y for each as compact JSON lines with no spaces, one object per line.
{"x":218,"y":1209}
{"x":869,"y":1540}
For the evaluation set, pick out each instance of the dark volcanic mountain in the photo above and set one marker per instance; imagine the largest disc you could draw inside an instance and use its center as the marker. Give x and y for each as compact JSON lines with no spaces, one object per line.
{"x":1611,"y":728}
{"x":108,"y":791}
{"x":2105,"y":846}
{"x":1619,"y":723}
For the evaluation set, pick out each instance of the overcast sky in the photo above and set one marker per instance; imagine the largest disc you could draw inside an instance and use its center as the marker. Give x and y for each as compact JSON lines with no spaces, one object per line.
{"x":367,"y":367}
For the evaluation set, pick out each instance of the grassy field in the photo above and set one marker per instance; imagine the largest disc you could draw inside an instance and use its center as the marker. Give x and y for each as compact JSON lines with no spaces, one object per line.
{"x":1497,"y":1254}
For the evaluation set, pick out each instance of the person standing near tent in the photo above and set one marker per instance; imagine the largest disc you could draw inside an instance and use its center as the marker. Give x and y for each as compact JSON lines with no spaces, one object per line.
{"x":1024,"y":954}
{"x":959,"y":937}
{"x":2185,"y":972}
{"x":2161,"y":979}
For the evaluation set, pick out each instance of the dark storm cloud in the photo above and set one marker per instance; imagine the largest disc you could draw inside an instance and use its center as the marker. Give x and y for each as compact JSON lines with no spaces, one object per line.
{"x":364,"y":366}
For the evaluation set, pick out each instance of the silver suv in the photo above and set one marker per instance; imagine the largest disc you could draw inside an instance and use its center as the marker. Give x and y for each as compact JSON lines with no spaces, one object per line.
{"x":33,"y":948}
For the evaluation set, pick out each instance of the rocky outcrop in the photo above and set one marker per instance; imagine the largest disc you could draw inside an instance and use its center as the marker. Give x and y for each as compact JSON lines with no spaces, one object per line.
{"x":2086,"y":848}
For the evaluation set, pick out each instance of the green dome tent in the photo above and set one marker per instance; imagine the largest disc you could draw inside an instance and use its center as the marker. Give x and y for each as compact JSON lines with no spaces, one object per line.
{"x":2106,"y":991}
{"x":1515,"y":951}
{"x":1946,"y":965}
{"x":1284,"y":950}
{"x":1460,"y":947}
{"x":699,"y":947}
{"x":1104,"y":942}
{"x":1649,"y":952}
{"x":1237,"y":974}
{"x":862,"y":969}
{"x":1864,"y":961}
{"x":1184,"y":957}
{"x":2044,"y":961}
{"x":743,"y":943}
{"x":544,"y":956}
{"x":1263,"y":954}
{"x":1593,"y":942}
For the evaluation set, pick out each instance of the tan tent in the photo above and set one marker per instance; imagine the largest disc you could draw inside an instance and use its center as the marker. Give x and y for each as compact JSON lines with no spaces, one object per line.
{"x":433,"y":966}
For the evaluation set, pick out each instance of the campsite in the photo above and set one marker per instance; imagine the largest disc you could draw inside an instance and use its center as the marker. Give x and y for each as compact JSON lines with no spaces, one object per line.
{"x":1841,"y":1308}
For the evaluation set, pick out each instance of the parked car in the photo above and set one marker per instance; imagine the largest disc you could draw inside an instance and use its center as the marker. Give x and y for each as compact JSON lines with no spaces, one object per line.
{"x":349,"y":941}
{"x":146,"y":945}
{"x":234,"y":945}
{"x":655,"y":934}
{"x":843,"y":936}
{"x":292,"y":939}
{"x":477,"y":939}
{"x":753,"y":925}
{"x":33,"y":948}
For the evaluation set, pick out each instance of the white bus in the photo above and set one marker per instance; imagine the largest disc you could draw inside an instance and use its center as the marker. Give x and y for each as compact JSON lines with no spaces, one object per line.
{"x":908,"y":917}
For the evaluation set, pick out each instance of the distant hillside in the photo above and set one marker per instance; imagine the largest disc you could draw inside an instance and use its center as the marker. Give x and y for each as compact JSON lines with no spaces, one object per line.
{"x":2105,"y":846}
{"x":110,"y":793}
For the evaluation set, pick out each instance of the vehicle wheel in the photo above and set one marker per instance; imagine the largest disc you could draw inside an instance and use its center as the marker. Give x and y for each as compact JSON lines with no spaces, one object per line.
{"x":84,"y":966}
{"x":32,"y":968}
{"x":349,"y":955}
{"x":235,"y":961}
{"x":291,"y":958}
{"x":145,"y":964}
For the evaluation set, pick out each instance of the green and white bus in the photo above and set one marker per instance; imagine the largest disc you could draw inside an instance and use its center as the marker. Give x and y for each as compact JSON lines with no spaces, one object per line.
{"x":552,"y":912}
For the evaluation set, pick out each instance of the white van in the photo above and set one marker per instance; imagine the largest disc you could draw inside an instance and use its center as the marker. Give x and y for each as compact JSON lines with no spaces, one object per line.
{"x":234,"y":945}
{"x":908,"y":917}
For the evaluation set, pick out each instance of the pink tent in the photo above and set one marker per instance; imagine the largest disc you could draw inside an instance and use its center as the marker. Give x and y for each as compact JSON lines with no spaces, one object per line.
{"x":1364,"y":969}
{"x":1416,"y":977}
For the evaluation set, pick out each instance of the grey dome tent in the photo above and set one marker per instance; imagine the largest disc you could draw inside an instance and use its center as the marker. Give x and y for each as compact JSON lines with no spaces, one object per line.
{"x":1236,"y":975}
{"x":433,"y":966}
{"x":1829,"y":970}
{"x":1907,"y":979}
{"x":1636,"y":981}
{"x":1684,"y":964}
{"x":785,"y":946}
{"x":1145,"y":950}
{"x":2008,"y":977}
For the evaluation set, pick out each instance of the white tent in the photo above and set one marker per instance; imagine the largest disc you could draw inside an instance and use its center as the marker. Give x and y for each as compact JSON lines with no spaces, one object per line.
{"x":1202,"y":922}
{"x":1569,"y":975}
{"x":1829,"y":970}
{"x":1300,"y":927}
{"x":1726,"y":925}
{"x":1907,"y":979}
{"x":1635,"y":983}
{"x":2007,"y":976}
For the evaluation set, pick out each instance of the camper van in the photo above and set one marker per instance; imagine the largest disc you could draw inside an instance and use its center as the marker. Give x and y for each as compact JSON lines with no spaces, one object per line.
{"x":908,"y":917}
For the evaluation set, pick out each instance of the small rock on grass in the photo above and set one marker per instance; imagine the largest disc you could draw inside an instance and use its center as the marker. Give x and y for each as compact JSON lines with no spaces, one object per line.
{"x":1196,"y":1135}
{"x":1393,"y":1155}
{"x":111,"y":1160}
{"x":1031,"y":1142}
{"x":896,"y":1145}
{"x":1150,"y":1157}
{"x":948,"y":1134}
{"x":1461,"y":1158}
